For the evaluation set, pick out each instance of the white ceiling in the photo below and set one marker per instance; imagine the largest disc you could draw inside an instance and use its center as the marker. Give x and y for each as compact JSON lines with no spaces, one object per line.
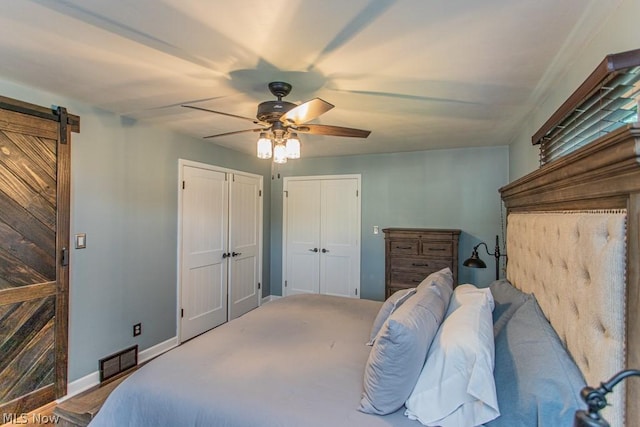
{"x":420,"y":74}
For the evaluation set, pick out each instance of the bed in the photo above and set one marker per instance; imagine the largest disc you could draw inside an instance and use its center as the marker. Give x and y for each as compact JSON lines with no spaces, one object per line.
{"x":573,"y":231}
{"x":296,"y":361}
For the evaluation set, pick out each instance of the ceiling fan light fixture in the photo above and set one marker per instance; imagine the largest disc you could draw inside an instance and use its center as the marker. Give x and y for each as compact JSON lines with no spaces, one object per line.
{"x":293,"y":146}
{"x":281,"y":121}
{"x":264,"y":146}
{"x":280,"y":153}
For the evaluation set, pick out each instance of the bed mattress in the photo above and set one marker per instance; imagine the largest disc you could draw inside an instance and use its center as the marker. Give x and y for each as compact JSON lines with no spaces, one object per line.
{"x":296,"y":361}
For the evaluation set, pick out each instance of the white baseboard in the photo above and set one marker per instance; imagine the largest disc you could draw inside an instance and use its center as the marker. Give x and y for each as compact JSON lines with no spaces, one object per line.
{"x":93,"y":379}
{"x":80,"y":385}
{"x":157,"y":349}
{"x":270,"y":298}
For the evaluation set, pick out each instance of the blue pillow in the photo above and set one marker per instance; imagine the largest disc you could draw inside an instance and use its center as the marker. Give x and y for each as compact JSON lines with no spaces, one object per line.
{"x":390,"y":305}
{"x":537,"y":381}
{"x":442,"y":277}
{"x":507,"y":300}
{"x":401,"y":347}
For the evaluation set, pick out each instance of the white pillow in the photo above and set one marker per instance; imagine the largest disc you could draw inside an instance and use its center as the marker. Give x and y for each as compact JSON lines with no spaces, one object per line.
{"x":456,"y":386}
{"x":469,"y":294}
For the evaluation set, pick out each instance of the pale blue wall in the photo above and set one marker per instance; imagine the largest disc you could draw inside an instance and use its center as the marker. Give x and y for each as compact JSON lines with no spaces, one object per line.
{"x":455,"y":188}
{"x":618,"y":33}
{"x":124,"y":189}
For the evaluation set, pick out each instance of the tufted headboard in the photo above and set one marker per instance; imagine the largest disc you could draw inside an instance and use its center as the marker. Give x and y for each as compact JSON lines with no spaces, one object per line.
{"x":575,"y":264}
{"x":573,"y":240}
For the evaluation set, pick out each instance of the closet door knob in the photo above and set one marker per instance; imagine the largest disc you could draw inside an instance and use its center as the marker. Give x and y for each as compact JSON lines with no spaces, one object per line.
{"x":236,"y":253}
{"x":313,"y":250}
{"x":324,"y":251}
{"x":226,"y":255}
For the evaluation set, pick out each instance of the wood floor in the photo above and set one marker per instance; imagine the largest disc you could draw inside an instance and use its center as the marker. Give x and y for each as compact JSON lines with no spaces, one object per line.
{"x":76,"y":411}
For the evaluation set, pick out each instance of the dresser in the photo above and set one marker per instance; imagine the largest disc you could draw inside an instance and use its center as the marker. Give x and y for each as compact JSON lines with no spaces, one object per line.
{"x":411,"y":254}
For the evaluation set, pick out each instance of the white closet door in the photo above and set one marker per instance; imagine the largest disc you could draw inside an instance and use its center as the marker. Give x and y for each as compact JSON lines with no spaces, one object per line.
{"x":244,"y":240}
{"x":340,"y":238}
{"x":302,"y":237}
{"x":322,"y":235}
{"x":204,"y":241}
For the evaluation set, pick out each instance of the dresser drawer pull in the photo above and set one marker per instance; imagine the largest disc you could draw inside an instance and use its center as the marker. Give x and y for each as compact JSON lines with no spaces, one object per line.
{"x":419,"y":264}
{"x":436,"y":249}
{"x":404,"y":247}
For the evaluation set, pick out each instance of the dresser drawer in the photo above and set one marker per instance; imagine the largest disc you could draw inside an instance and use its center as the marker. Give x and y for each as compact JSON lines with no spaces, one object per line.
{"x":404,"y":247}
{"x":410,"y":279}
{"x":437,"y":249}
{"x":419,"y":264}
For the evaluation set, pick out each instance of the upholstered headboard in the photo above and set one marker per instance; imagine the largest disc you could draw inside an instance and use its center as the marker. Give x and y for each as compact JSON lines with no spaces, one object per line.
{"x":575,"y":264}
{"x":573,"y":239}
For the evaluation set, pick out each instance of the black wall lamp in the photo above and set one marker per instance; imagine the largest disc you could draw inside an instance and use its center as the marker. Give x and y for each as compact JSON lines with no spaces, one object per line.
{"x":596,"y":401}
{"x":476,"y":262}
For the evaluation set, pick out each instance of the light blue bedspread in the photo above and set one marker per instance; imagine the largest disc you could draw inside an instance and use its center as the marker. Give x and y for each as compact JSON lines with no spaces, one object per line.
{"x":297,"y":361}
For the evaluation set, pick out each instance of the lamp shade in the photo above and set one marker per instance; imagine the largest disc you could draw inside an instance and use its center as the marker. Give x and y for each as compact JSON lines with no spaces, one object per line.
{"x":280,"y":153}
{"x":293,"y":146}
{"x":264,"y":146}
{"x":474,"y":261}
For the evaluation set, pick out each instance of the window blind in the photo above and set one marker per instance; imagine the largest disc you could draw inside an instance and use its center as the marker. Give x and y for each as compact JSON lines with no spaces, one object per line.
{"x":606,"y":101}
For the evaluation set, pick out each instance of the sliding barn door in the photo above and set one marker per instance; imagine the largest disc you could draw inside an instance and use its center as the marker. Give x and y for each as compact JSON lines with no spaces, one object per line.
{"x":34,"y":236}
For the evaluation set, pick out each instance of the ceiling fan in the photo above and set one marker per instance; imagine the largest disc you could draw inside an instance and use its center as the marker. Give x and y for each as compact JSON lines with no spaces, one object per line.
{"x":280,"y":122}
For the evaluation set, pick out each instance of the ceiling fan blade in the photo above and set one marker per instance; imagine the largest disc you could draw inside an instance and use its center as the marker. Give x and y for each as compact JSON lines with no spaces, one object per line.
{"x":306,"y":111}
{"x":233,"y":133}
{"x":255,"y":121}
{"x":333,"y":131}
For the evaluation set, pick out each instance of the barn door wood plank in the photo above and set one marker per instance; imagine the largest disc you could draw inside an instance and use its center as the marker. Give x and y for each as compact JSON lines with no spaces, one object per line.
{"x":26,"y":169}
{"x":27,"y":198}
{"x":33,"y":230}
{"x":18,"y":274}
{"x":33,"y":366}
{"x":41,"y":151}
{"x":11,"y":121}
{"x":26,"y":293}
{"x":27,"y":348}
{"x":63,"y":212}
{"x":26,"y":252}
{"x":48,"y":113}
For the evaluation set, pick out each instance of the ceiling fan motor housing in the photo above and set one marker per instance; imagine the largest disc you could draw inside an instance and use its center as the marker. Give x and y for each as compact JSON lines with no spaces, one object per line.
{"x":271,"y":111}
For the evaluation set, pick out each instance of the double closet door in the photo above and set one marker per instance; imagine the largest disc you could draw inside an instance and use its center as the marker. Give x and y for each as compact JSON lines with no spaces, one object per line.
{"x":220,"y":265}
{"x":322,"y":235}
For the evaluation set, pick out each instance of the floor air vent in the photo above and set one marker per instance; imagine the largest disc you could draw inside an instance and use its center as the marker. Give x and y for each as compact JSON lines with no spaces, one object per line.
{"x":117,"y":363}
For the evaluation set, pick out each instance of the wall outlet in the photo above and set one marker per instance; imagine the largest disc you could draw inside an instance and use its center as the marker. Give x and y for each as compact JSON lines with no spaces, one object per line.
{"x":137,"y":329}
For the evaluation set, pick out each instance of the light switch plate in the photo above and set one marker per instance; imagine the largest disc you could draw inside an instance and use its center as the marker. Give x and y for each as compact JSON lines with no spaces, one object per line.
{"x":81,"y":241}
{"x":376,"y":229}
